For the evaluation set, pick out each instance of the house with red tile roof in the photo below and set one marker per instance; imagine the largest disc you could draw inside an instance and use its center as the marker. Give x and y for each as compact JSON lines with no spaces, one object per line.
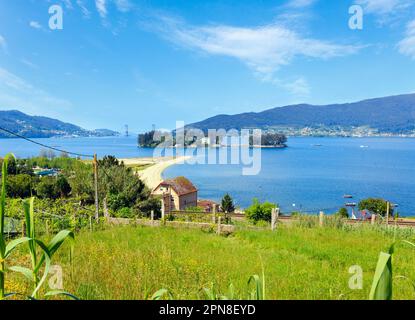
{"x":177,"y":194}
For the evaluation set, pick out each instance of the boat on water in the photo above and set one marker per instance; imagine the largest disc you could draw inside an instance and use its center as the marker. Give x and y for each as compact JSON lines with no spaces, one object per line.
{"x":363,"y":146}
{"x":347,"y":196}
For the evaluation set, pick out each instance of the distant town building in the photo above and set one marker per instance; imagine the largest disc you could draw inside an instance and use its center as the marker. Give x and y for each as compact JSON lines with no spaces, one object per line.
{"x":208,"y":206}
{"x":177,"y":194}
{"x":46,"y":172}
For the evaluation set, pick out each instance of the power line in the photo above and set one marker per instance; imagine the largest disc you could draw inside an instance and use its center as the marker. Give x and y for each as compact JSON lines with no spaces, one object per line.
{"x":44,"y":145}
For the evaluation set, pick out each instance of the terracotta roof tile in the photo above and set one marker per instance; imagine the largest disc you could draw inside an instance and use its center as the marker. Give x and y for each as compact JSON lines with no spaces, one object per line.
{"x":180,"y":185}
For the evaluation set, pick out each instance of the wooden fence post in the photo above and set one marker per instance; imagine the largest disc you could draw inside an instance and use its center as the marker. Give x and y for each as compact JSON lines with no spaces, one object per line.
{"x":321,"y":218}
{"x":219,"y":231}
{"x":152,"y":216}
{"x":163,"y":209}
{"x":90,"y":223}
{"x":387,"y":212}
{"x":373,"y":219}
{"x":214,"y":214}
{"x":106,"y":212}
{"x":274,"y":218}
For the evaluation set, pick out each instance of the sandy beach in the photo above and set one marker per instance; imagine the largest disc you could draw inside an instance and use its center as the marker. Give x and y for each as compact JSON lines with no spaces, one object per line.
{"x":152,"y":175}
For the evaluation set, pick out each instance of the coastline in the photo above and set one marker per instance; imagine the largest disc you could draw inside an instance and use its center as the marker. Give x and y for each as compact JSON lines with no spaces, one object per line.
{"x":152,"y":175}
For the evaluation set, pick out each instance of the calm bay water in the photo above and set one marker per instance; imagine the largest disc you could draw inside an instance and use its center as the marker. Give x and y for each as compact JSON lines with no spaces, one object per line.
{"x":302,"y":177}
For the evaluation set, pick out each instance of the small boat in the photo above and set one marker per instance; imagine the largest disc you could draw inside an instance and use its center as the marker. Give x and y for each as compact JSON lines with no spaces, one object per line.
{"x":362,"y":146}
{"x":350,"y":204}
{"x":348,"y":196}
{"x":317,"y":145}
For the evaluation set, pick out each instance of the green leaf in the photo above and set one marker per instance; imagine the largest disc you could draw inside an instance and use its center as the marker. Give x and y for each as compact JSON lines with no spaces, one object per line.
{"x":61,"y":293}
{"x":30,"y":229}
{"x":161,"y":293}
{"x":45,"y":274}
{"x":231,"y":292}
{"x":24,"y":271}
{"x":45,"y":249}
{"x":57,"y":241}
{"x":410,"y":243}
{"x":258,"y":293}
{"x":210,"y":295}
{"x":382,"y":281}
{"x":13,"y":244}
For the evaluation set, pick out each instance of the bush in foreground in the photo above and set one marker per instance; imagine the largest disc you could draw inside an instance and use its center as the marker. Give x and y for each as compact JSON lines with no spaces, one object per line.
{"x":260,"y":211}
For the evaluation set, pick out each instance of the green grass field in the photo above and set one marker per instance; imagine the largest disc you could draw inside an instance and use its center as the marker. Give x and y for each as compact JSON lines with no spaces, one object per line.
{"x":299,"y":263}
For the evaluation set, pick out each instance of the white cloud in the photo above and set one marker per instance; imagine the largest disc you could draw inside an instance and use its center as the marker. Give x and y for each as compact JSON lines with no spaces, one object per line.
{"x":384,"y":7}
{"x":123,"y":5}
{"x":29,"y":63}
{"x":16,"y":92}
{"x":3,"y":44}
{"x":35,"y":25}
{"x":101,"y":6}
{"x":263,"y":49}
{"x":299,"y":87}
{"x":300,"y":3}
{"x":68,"y":4}
{"x":407,"y":45}
{"x":85,"y":12}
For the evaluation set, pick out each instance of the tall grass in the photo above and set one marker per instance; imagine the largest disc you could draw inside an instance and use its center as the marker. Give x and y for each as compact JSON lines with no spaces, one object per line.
{"x":297,"y":263}
{"x":47,"y":250}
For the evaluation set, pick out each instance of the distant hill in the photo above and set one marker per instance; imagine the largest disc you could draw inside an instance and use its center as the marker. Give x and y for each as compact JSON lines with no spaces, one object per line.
{"x":395,"y":114}
{"x":43,"y":127}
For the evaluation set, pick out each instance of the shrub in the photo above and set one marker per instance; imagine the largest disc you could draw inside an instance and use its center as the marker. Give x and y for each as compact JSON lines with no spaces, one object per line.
{"x":260,"y":211}
{"x":145,"y":207}
{"x":46,"y":188}
{"x":343,"y":213}
{"x":194,"y":209}
{"x":125,"y":213}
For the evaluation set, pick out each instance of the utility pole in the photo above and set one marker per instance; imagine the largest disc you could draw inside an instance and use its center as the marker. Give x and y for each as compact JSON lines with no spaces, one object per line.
{"x":95,"y":162}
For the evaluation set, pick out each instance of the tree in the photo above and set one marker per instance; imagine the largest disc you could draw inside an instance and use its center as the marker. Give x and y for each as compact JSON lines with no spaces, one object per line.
{"x":122,"y":187}
{"x":63,"y":187}
{"x":151,"y":139}
{"x":152,"y":204}
{"x":270,"y":139}
{"x":260,"y":211}
{"x":51,"y":154}
{"x":18,"y":166}
{"x":19,"y":186}
{"x":374,"y":205}
{"x":81,"y":182}
{"x":46,"y":188}
{"x":273,"y":139}
{"x":12,"y":167}
{"x":109,"y":161}
{"x":227,"y":204}
{"x":343,"y":213}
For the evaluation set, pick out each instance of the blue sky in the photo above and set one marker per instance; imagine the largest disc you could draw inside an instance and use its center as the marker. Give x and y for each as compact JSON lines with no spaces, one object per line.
{"x":137,"y":62}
